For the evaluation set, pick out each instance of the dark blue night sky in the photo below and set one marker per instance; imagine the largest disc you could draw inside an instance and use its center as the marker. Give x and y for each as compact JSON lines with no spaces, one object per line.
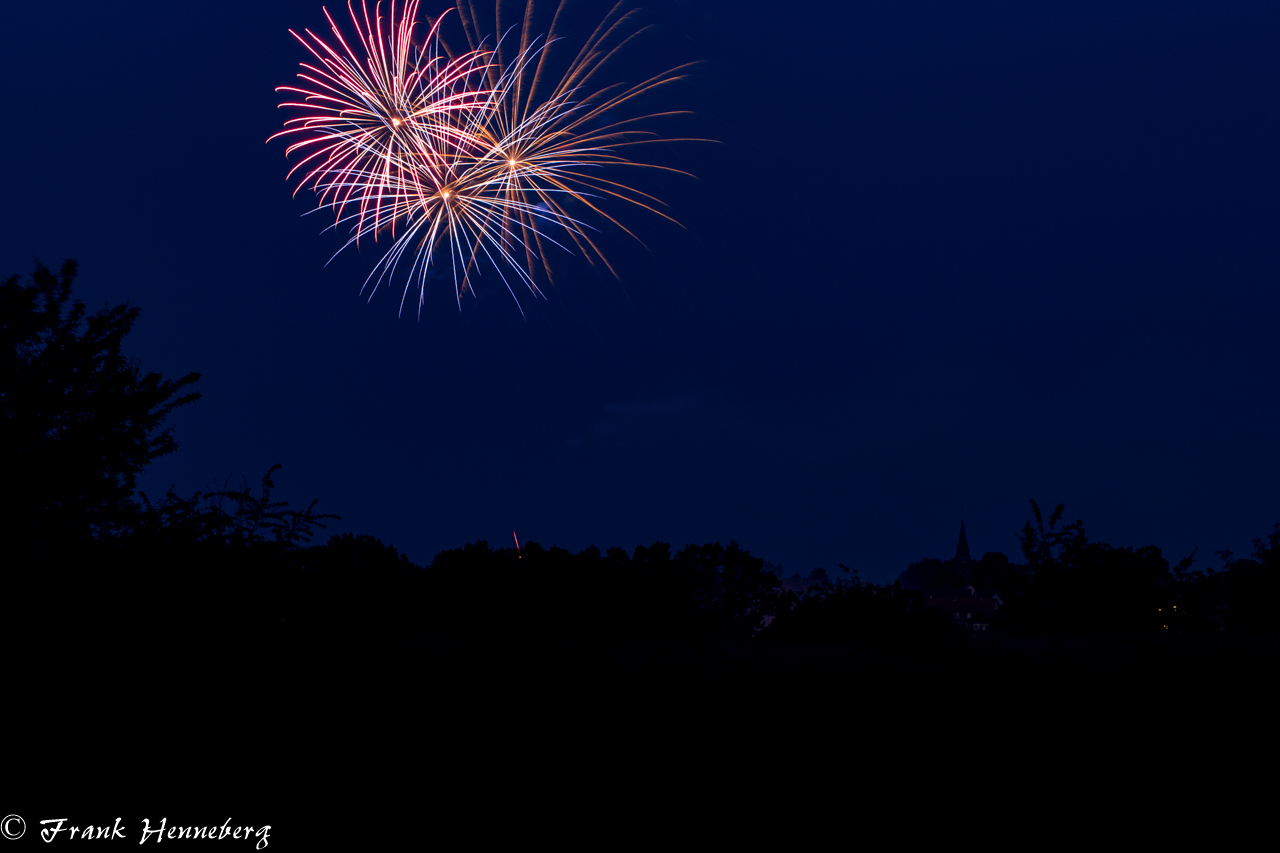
{"x":944,"y":255}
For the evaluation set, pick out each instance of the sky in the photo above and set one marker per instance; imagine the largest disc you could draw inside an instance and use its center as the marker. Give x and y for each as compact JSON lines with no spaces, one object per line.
{"x":941,"y":258}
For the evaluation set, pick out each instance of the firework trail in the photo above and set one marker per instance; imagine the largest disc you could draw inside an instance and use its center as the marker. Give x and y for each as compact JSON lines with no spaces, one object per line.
{"x":476,"y":154}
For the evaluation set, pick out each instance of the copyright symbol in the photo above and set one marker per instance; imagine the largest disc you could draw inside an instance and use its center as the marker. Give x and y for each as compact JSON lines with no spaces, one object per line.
{"x":12,"y":827}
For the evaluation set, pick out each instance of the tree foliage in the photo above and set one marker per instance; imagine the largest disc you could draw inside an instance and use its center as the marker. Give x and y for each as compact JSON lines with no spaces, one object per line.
{"x":79,"y":418}
{"x":863,"y":614}
{"x":1073,"y":586}
{"x":230,"y":518}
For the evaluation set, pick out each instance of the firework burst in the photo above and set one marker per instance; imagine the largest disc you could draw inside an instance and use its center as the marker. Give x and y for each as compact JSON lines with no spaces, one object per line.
{"x":378,"y":119}
{"x":477,"y":155}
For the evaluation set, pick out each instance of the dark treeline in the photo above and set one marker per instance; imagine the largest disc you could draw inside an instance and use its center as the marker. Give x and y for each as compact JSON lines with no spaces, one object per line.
{"x":1069,"y":586}
{"x":234,"y":584}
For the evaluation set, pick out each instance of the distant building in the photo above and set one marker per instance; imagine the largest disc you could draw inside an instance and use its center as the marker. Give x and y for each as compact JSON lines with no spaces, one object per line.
{"x":972,"y":614}
{"x":799,"y":583}
{"x":962,"y":588}
{"x":962,"y":547}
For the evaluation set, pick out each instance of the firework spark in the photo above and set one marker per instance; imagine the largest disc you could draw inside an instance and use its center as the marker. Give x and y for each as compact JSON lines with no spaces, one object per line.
{"x":470,"y":154}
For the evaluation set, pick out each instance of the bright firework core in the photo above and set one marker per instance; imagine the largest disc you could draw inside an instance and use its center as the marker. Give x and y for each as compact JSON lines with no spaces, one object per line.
{"x":392,"y":121}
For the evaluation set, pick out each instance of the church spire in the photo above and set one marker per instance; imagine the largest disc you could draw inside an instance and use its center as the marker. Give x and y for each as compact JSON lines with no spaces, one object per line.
{"x":962,"y":547}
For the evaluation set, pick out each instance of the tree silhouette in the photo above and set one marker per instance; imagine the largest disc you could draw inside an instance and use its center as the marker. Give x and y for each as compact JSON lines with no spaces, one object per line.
{"x":205,"y":519}
{"x":863,"y":614}
{"x":1074,"y":586}
{"x":1251,"y":587}
{"x":80,"y":419}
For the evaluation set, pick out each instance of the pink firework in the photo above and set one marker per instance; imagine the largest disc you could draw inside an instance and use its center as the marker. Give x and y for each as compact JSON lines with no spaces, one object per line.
{"x":380,"y":115}
{"x":480,"y":155}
